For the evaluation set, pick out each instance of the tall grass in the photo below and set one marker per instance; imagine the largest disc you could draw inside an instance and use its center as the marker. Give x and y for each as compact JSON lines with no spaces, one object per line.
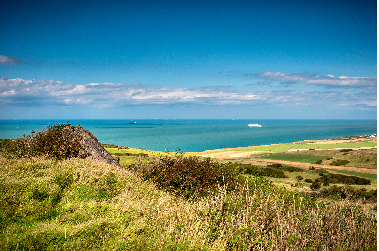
{"x":269,"y":218}
{"x":73,"y":204}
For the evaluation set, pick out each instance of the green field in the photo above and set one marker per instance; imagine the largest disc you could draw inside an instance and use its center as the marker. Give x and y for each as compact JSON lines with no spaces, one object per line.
{"x":358,"y":174}
{"x":358,"y":144}
{"x":269,"y":148}
{"x":294,"y":157}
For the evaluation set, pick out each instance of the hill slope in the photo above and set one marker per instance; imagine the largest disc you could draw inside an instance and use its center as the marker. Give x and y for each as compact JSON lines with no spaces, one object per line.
{"x":77,"y":204}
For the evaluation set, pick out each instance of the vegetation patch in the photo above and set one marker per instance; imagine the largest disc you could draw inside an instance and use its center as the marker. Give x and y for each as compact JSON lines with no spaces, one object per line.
{"x":48,"y":204}
{"x":286,"y":168}
{"x":326,"y":177}
{"x":269,"y":148}
{"x":187,"y":176}
{"x":293,"y":157}
{"x":352,"y":173}
{"x":358,"y":144}
{"x":345,"y":192}
{"x":60,"y":141}
{"x":339,"y":162}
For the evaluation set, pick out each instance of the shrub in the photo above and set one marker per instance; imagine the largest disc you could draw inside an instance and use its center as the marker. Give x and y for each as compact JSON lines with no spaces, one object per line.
{"x":340,"y":178}
{"x":275,"y":165}
{"x":187,"y":176}
{"x":339,"y":162}
{"x":343,"y":192}
{"x":259,"y":170}
{"x":299,"y":178}
{"x":286,"y":168}
{"x":308,"y":180}
{"x":58,"y":141}
{"x":346,"y":150}
{"x":321,"y":172}
{"x":271,"y":172}
{"x":315,"y":185}
{"x":312,"y":168}
{"x":319,"y":161}
{"x":362,"y":181}
{"x":349,"y":181}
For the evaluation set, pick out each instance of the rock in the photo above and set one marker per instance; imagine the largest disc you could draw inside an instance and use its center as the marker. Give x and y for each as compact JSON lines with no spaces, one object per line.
{"x":92,"y":148}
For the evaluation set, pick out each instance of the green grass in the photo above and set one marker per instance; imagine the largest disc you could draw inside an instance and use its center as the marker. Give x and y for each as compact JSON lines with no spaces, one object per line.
{"x":48,"y":204}
{"x":127,"y":156}
{"x":84,"y":205}
{"x":358,"y":174}
{"x":340,"y":145}
{"x":270,"y":148}
{"x":294,"y":157}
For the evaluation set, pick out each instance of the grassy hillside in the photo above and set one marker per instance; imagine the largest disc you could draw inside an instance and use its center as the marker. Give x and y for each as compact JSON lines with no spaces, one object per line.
{"x":49,"y":204}
{"x":51,"y":200}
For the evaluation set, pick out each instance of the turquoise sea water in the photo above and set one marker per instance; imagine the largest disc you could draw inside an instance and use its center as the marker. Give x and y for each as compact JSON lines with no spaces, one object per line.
{"x":200,"y":135}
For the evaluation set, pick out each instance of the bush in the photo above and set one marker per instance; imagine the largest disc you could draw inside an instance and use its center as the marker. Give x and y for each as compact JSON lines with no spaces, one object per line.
{"x":58,"y":141}
{"x":340,"y":178}
{"x":339,"y":162}
{"x":346,"y":150}
{"x":343,"y":192}
{"x":315,"y":185}
{"x":187,"y":176}
{"x":286,"y":168}
{"x":308,"y":180}
{"x":321,"y":172}
{"x":319,"y":161}
{"x":259,"y":170}
{"x":349,"y":181}
{"x":271,"y":172}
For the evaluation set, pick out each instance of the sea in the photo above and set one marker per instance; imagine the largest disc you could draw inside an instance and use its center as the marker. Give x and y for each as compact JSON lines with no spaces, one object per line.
{"x":199,"y":135}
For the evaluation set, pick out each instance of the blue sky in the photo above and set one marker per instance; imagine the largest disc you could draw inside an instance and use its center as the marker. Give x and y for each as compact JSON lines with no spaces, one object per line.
{"x":188,"y":59}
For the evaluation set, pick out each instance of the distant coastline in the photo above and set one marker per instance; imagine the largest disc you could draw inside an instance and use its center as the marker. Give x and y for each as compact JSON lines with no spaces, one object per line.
{"x":200,"y":135}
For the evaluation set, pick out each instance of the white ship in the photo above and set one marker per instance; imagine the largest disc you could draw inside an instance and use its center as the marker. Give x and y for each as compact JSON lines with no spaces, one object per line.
{"x":254,"y":125}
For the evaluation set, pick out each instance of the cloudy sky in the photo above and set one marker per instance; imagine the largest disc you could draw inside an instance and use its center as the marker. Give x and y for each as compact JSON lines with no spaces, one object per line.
{"x":188,"y":59}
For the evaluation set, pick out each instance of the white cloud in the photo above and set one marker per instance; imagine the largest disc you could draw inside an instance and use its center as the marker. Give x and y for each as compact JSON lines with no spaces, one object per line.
{"x":9,"y":60}
{"x":327,"y":81}
{"x":41,"y":92}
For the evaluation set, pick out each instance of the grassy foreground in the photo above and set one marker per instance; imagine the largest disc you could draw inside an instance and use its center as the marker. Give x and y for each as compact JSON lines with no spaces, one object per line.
{"x":73,"y":204}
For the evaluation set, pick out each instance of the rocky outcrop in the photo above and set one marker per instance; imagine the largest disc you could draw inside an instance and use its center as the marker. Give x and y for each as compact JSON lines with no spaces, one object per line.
{"x":92,"y":148}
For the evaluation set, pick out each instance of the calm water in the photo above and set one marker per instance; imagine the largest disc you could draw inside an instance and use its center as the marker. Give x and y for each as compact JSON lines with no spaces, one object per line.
{"x":200,"y":135}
